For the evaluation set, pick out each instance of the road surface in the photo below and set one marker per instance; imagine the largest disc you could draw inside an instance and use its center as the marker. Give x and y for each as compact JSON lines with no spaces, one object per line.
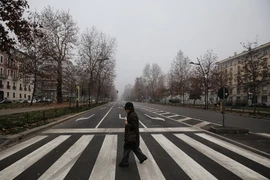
{"x":90,"y":147}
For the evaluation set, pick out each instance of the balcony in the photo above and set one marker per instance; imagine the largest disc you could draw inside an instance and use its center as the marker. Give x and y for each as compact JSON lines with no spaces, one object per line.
{"x":8,"y":86}
{"x":2,"y":76}
{"x":14,"y":87}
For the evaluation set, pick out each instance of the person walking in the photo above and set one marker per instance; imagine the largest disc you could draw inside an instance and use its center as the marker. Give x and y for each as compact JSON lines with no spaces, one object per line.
{"x":132,"y":136}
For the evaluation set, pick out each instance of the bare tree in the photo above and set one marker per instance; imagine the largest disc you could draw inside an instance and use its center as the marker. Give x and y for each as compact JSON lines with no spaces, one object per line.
{"x":151,"y":76}
{"x":61,"y":35}
{"x":206,"y":65}
{"x":96,"y":50}
{"x":179,"y":74}
{"x":139,"y":89}
{"x":195,"y":88}
{"x":219,"y":79}
{"x":13,"y":26}
{"x":253,"y":72}
{"x":32,"y":50}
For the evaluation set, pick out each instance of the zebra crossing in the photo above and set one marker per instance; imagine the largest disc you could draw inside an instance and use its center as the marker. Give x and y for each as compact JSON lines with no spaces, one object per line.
{"x":196,"y":155}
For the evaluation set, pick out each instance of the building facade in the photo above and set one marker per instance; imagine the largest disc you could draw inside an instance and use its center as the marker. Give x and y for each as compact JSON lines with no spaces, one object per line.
{"x":13,"y":86}
{"x":232,"y":66}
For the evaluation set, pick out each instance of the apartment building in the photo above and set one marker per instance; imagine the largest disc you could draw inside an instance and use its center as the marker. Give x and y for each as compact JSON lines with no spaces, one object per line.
{"x":232,"y":66}
{"x":12,"y":85}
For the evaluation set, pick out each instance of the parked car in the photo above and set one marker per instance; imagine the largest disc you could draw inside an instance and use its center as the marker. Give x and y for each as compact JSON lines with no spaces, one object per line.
{"x":5,"y":101}
{"x":23,"y":101}
{"x":34,"y":101}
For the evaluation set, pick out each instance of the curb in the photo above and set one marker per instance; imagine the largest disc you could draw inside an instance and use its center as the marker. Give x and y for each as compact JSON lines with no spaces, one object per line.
{"x":8,"y":139}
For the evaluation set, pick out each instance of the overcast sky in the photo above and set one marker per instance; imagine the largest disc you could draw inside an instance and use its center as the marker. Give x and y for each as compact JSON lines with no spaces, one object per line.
{"x":152,"y":31}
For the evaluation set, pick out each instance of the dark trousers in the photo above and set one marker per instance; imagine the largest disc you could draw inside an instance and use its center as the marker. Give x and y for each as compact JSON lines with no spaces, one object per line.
{"x":136,"y":149}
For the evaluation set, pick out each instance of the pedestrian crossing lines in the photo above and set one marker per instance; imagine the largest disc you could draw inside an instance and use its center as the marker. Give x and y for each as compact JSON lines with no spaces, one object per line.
{"x":192,"y":155}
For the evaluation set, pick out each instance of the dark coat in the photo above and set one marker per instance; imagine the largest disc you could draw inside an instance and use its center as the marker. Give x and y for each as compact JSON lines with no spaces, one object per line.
{"x":132,"y":127}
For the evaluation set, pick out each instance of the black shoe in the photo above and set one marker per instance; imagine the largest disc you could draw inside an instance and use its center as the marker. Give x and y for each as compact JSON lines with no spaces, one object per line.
{"x":143,"y":160}
{"x":123,"y":165}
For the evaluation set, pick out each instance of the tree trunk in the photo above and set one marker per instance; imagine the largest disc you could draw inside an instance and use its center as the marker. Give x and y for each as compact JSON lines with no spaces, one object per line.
{"x":59,"y":83}
{"x":98,"y":92}
{"x":34,"y":89}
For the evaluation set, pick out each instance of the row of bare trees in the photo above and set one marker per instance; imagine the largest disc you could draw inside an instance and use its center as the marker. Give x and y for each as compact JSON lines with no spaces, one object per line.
{"x":195,"y":79}
{"x":50,"y":48}
{"x":183,"y":79}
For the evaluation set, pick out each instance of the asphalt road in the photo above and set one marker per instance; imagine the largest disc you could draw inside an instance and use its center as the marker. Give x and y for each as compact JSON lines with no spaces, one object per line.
{"x":91,"y":146}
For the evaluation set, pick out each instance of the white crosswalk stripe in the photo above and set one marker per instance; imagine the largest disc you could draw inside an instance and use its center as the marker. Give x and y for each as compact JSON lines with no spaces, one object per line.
{"x":106,"y":160}
{"x":61,"y":167}
{"x":15,"y":169}
{"x":18,"y":147}
{"x":191,"y":167}
{"x":241,"y":151}
{"x":235,"y":167}
{"x":150,"y":169}
{"x":104,"y":166}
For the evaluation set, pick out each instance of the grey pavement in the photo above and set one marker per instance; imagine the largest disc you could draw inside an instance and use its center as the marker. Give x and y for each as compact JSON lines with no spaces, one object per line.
{"x":90,"y":146}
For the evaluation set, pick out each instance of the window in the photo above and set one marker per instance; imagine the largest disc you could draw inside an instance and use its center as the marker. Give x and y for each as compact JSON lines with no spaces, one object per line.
{"x":8,"y":72}
{"x":1,"y":59}
{"x":24,"y":95}
{"x":264,"y":89}
{"x":8,"y":94}
{"x":238,"y":99}
{"x":238,"y":90}
{"x":20,"y":95}
{"x":264,"y":99}
{"x":13,"y":95}
{"x":1,"y":71}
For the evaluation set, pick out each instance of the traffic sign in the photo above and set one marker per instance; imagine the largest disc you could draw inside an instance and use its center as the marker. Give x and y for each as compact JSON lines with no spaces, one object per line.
{"x":223,"y":93}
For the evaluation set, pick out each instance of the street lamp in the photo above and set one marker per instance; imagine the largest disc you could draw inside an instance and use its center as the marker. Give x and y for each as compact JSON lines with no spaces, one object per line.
{"x":205,"y":83}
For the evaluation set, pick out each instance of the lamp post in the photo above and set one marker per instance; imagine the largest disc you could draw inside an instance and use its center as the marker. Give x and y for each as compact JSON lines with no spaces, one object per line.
{"x":205,"y":83}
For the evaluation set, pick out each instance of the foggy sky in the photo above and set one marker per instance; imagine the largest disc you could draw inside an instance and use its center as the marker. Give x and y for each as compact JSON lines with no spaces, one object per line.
{"x":152,"y":31}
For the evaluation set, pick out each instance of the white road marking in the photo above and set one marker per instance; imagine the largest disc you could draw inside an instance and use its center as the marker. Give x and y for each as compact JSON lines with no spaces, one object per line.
{"x":173,"y":116}
{"x":85,"y":118}
{"x":228,"y":163}
{"x":164,"y":113}
{"x":191,"y":167}
{"x":184,"y":119}
{"x":119,"y":130}
{"x":104,"y":117}
{"x":18,"y":147}
{"x":105,"y":165}
{"x":263,"y":134}
{"x":204,"y":123}
{"x":120,"y":117}
{"x":158,"y":112}
{"x":241,"y":151}
{"x":18,"y":167}
{"x":62,"y":166}
{"x":142,"y":124}
{"x":149,"y":169}
{"x":155,"y":118}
